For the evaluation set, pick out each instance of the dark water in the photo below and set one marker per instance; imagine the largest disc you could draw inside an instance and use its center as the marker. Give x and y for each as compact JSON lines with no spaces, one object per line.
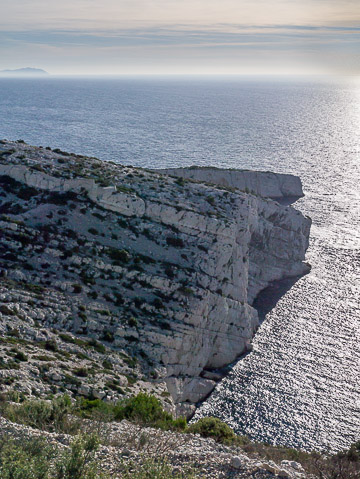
{"x":301,"y":384}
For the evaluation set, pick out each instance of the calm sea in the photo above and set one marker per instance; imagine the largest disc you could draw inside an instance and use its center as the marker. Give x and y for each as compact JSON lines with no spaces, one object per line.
{"x":301,"y":384}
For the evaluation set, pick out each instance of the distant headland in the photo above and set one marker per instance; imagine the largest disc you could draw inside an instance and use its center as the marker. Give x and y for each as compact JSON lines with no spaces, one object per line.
{"x":24,"y":72}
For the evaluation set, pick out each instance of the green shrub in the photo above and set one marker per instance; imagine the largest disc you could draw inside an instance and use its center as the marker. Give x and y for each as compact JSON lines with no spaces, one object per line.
{"x":77,"y":288}
{"x":214,"y":428}
{"x":79,"y":462}
{"x":107,"y":364}
{"x":51,"y":345}
{"x":49,"y":415}
{"x":176,"y":242}
{"x":81,"y":372}
{"x":108,"y":336}
{"x":146,"y":409}
{"x":100,"y":348}
{"x":180,"y":181}
{"x":141,"y":408}
{"x":25,"y":460}
{"x":119,"y":255}
{"x":94,"y":408}
{"x":353,"y":454}
{"x":34,"y":459}
{"x":133,"y":322}
{"x":20,"y":356}
{"x":186,"y":291}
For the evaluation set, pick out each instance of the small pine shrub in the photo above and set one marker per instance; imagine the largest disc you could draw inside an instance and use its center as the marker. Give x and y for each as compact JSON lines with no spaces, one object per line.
{"x":81,"y":372}
{"x":77,"y":288}
{"x":176,"y":242}
{"x":107,"y":364}
{"x":133,"y":322}
{"x":120,"y":255}
{"x":34,"y":459}
{"x":25,"y":460}
{"x":79,"y":462}
{"x":51,"y":345}
{"x":146,"y":409}
{"x":49,"y":415}
{"x":108,"y":336}
{"x":20,"y":356}
{"x":214,"y":428}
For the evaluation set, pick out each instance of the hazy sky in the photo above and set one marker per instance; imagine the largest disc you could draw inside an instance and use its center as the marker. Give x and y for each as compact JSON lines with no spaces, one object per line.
{"x":181,"y":36}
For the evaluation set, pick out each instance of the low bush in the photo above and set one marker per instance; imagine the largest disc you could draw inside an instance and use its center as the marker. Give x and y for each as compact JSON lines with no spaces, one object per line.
{"x":79,"y":462}
{"x":34,"y":459}
{"x":20,"y":356}
{"x":176,"y":242}
{"x":51,"y":345}
{"x":49,"y":415}
{"x":214,"y":428}
{"x":25,"y":460}
{"x":141,"y":408}
{"x":120,"y":255}
{"x":147,"y":410}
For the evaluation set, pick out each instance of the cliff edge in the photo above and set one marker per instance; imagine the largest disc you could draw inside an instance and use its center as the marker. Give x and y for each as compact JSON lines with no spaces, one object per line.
{"x":278,"y":186}
{"x":160,"y":270}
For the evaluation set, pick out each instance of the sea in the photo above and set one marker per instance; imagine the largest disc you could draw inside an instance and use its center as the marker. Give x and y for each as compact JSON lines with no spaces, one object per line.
{"x":300,"y":386}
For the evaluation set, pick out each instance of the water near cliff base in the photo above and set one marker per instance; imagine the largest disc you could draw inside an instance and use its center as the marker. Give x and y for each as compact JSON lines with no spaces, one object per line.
{"x":301,"y":384}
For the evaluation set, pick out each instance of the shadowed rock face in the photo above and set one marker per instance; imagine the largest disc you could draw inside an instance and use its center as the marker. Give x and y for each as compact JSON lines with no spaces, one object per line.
{"x":187,"y":259}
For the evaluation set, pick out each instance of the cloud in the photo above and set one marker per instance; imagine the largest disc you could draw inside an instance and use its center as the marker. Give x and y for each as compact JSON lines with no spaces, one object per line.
{"x":232,"y":36}
{"x":181,"y":35}
{"x":29,"y":14}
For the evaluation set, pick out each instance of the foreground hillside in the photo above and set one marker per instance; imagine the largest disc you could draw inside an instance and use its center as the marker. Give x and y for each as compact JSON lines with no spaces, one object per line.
{"x":136,"y":439}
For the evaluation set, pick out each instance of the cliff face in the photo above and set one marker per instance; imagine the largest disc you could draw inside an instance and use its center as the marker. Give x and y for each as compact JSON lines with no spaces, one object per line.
{"x":263,"y":183}
{"x":176,"y":264}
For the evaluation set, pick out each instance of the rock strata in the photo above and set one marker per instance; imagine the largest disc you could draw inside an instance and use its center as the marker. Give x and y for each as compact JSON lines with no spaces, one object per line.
{"x":157,"y":268}
{"x":263,"y":183}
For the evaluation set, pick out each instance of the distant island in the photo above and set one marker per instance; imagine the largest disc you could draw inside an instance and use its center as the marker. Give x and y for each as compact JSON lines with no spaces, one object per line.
{"x":24,"y":72}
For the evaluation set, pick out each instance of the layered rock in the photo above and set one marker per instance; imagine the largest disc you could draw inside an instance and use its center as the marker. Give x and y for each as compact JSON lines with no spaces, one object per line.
{"x":263,"y":183}
{"x":186,"y":258}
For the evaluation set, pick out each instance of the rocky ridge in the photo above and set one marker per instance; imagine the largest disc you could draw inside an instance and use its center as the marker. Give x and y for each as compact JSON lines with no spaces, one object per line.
{"x":156,"y":274}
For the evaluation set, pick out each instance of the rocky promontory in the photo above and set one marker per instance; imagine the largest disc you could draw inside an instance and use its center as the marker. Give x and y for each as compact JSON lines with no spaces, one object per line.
{"x":277,"y":186}
{"x":117,"y":279}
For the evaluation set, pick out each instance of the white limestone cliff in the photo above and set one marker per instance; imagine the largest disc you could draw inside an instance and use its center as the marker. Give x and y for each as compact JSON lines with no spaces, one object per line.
{"x":263,"y":183}
{"x":238,"y":244}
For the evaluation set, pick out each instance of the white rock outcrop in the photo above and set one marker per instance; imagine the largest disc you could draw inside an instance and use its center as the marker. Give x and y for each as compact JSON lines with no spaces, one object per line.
{"x":263,"y":183}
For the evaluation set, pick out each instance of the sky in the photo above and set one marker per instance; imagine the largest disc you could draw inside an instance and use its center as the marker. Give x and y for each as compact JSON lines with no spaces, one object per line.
{"x":271,"y":37}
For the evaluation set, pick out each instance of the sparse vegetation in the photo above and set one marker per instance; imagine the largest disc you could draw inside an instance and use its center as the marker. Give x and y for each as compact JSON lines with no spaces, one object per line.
{"x":158,"y":468}
{"x":214,"y":428}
